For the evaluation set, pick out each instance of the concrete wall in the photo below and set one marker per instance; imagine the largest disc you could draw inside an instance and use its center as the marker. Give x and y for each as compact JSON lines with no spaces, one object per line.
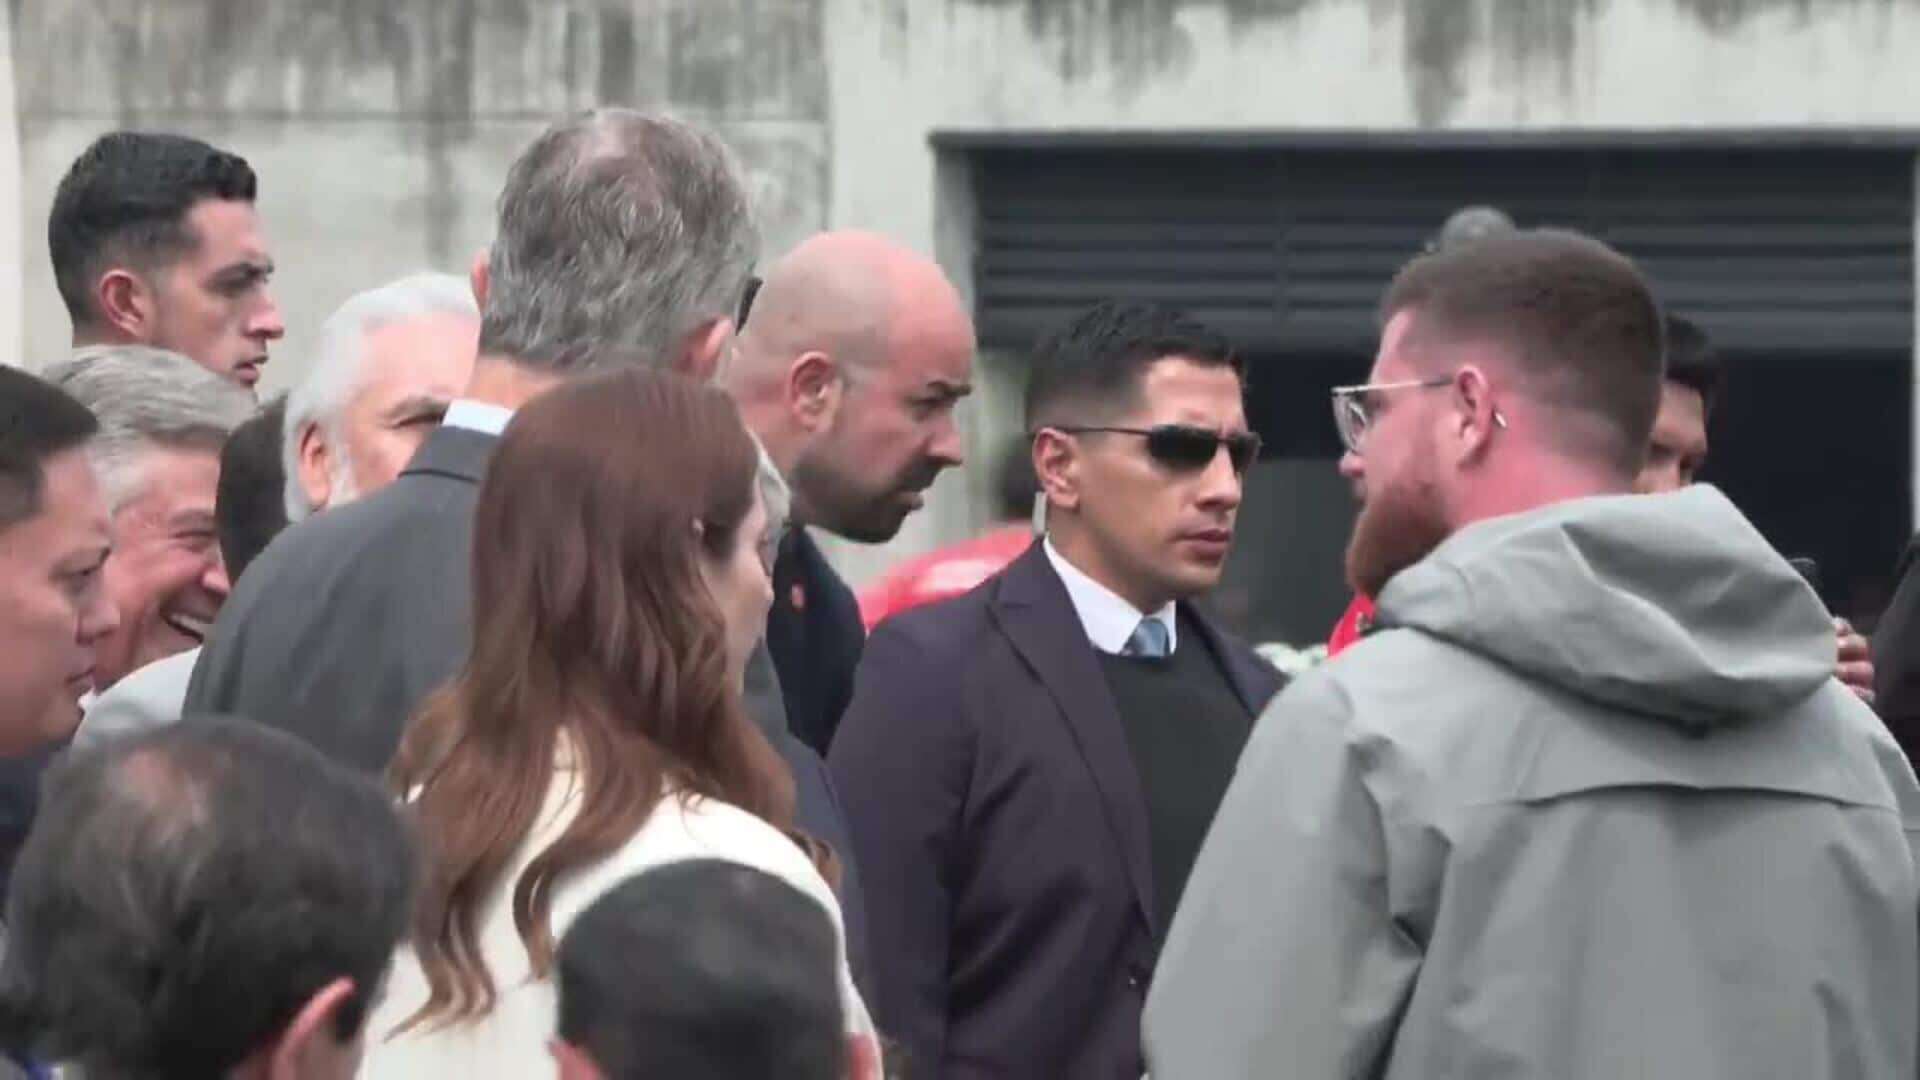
{"x":382,"y":128}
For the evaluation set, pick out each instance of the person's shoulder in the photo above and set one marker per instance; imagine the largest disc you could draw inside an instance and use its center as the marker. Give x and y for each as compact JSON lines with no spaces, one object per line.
{"x":686,"y":827}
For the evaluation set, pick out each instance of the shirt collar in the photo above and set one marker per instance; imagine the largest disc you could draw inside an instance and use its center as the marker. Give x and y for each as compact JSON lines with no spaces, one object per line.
{"x":488,"y":419}
{"x":1109,"y":620}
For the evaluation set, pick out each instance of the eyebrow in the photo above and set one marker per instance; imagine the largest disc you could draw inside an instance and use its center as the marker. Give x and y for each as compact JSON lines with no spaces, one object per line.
{"x":414,"y":406}
{"x":245,"y":270}
{"x":949,"y":389}
{"x":196,"y":519}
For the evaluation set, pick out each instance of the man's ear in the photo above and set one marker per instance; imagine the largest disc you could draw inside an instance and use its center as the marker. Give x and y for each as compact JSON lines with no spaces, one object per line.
{"x":1473,"y":417}
{"x":316,"y":468}
{"x":1056,"y":464}
{"x":308,"y":1045}
{"x":126,"y":303}
{"x":703,"y":350}
{"x":481,"y":276}
{"x":814,"y":388}
{"x":573,"y":1062}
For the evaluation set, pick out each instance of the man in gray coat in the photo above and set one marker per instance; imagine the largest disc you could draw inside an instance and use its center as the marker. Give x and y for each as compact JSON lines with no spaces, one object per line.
{"x":1590,"y":802}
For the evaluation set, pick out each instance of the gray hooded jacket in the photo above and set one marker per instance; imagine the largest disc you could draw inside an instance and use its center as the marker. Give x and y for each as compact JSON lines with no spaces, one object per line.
{"x":1590,"y":805}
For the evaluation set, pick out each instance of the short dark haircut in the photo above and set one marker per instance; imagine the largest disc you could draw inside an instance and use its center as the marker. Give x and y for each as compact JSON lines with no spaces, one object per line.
{"x":1575,"y":318}
{"x":37,"y":421}
{"x":127,"y":198}
{"x":185,"y":891}
{"x":249,"y":503}
{"x":704,"y":968}
{"x":1091,"y":366}
{"x":1015,"y":485}
{"x":1692,"y":361}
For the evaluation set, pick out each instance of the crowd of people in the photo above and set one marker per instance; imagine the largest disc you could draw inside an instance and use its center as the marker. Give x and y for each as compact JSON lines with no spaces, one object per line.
{"x":484,"y":705}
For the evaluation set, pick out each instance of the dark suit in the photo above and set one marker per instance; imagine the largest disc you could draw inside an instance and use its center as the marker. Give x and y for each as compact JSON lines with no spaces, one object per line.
{"x":815,"y":634}
{"x":347,"y":622}
{"x":1000,"y":821}
{"x":1896,"y":657}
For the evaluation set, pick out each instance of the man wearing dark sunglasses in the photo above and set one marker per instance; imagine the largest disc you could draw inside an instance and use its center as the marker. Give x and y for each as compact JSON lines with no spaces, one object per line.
{"x":1029,"y":768}
{"x":1590,"y":802}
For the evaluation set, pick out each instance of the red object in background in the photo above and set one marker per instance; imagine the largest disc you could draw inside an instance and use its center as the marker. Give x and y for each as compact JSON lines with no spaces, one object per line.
{"x":1352,"y":626}
{"x":943,"y":574}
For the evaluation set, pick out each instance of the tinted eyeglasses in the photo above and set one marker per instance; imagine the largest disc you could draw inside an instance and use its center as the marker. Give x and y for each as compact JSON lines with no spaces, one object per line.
{"x":1184,"y":447}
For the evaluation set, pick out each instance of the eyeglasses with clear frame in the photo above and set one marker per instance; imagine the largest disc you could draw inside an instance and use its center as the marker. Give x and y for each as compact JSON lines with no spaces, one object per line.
{"x":1353,"y":412}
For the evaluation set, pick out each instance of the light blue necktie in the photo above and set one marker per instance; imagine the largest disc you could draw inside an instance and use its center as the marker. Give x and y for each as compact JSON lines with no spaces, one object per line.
{"x":1149,"y":640}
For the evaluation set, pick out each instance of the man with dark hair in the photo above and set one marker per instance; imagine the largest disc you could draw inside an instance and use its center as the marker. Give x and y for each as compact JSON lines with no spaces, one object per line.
{"x":248,"y":512}
{"x":623,"y":239}
{"x":701,"y":968}
{"x":1590,"y":802}
{"x":155,"y":241}
{"x":158,"y":927}
{"x":956,"y":569}
{"x":54,"y":608}
{"x":1029,"y":768}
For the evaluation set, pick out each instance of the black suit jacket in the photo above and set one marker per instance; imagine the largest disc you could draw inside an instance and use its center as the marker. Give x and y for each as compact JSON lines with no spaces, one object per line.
{"x":815,"y":635}
{"x":1000,"y":821}
{"x":345,"y":624}
{"x":1896,"y":657}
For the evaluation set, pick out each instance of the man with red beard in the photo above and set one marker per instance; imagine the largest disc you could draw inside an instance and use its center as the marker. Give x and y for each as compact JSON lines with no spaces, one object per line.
{"x":1589,"y":802}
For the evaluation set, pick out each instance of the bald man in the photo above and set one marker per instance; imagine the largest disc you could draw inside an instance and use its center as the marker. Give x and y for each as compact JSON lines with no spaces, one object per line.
{"x":849,"y":368}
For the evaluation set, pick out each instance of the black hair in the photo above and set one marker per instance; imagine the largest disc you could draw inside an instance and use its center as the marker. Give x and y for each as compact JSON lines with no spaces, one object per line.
{"x":126,"y":198}
{"x":1015,"y":485}
{"x":186,"y":891}
{"x":1692,"y":361}
{"x":249,"y":503}
{"x":37,"y":421}
{"x":704,"y":968}
{"x":1091,"y":366}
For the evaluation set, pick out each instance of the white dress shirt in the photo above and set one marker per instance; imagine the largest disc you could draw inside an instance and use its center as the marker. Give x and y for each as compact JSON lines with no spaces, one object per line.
{"x":481,"y":416}
{"x":1108,"y":619}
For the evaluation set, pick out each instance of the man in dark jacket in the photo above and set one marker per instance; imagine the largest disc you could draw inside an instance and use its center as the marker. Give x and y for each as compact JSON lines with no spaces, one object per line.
{"x":1029,"y":768}
{"x":848,"y":371}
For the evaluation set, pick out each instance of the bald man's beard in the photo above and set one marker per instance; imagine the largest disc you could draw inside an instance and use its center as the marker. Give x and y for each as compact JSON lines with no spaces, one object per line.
{"x":830,"y":495}
{"x":1400,"y":524}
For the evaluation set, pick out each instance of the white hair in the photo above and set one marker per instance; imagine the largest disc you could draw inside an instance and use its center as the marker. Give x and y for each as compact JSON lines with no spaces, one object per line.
{"x":339,"y":364}
{"x":146,"y":399}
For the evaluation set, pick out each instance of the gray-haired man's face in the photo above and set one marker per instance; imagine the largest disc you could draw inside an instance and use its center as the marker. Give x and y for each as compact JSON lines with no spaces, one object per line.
{"x":165,"y":574}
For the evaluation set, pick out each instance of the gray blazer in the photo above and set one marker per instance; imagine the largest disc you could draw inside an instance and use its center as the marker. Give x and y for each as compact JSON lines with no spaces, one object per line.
{"x":344,"y":625}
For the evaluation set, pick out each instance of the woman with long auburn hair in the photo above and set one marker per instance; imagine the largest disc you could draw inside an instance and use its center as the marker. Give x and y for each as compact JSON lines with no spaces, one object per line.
{"x":620,"y":582}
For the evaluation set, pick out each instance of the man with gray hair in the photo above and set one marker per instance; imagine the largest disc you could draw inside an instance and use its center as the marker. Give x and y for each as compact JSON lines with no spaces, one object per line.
{"x":163,"y":419}
{"x":619,"y":234}
{"x":388,"y":364}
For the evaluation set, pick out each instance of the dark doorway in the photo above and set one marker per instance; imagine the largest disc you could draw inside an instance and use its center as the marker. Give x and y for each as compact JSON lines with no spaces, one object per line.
{"x":1816,"y":451}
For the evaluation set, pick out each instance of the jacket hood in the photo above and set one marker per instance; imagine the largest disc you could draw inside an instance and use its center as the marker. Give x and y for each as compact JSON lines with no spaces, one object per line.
{"x":1672,"y":606}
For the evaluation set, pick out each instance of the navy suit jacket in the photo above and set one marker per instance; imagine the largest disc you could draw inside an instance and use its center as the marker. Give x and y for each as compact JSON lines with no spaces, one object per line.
{"x":348,"y":620}
{"x":1000,"y":822}
{"x":815,"y":635}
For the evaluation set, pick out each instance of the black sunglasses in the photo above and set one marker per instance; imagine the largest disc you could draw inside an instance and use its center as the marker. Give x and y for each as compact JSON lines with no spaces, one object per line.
{"x":1185,"y":448}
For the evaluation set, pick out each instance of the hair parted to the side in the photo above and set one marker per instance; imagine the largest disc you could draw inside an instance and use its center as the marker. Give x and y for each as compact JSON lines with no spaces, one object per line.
{"x":37,"y":421}
{"x":1692,"y":361}
{"x":1575,"y":320}
{"x":616,"y":227}
{"x":596,"y":642}
{"x":1090,"y":367}
{"x":126,"y":199}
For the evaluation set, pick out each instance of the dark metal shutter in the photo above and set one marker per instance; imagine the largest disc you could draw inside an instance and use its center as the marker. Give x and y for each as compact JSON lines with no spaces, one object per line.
{"x":1770,"y":248}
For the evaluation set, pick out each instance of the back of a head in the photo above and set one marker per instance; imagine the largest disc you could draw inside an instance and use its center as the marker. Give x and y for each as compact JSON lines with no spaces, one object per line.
{"x":37,"y":421}
{"x":146,"y":398}
{"x":1015,"y":484}
{"x":618,"y":228}
{"x":1468,"y":225}
{"x":249,"y":507}
{"x":126,"y":199}
{"x":1692,"y":361}
{"x":704,"y":969}
{"x":1572,"y":321}
{"x":1090,"y":368}
{"x":157,"y":927}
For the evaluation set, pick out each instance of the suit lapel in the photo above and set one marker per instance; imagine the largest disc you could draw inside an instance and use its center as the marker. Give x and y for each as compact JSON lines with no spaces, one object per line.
{"x":1253,"y":682}
{"x":1033,"y":609}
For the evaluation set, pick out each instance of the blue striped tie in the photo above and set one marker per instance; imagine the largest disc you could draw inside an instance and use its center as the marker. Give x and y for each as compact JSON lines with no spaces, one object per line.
{"x":1149,"y":640}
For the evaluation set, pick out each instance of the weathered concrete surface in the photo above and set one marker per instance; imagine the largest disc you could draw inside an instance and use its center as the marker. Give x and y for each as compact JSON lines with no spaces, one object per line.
{"x":382,"y":127}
